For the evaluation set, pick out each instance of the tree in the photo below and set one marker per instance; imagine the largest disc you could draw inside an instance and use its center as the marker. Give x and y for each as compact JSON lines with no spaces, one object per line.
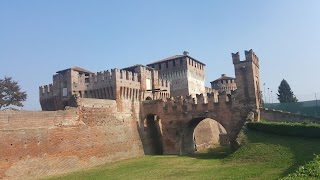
{"x":285,"y":94}
{"x":10,"y":93}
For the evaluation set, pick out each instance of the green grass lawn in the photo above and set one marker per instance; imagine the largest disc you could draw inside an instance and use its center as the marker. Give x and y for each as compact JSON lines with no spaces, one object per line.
{"x":265,"y":156}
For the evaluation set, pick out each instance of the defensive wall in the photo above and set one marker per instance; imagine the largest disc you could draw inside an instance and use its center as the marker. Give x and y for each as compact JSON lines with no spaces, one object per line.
{"x":96,"y":131}
{"x":41,"y":143}
{"x":113,"y":84}
{"x":272,"y":115}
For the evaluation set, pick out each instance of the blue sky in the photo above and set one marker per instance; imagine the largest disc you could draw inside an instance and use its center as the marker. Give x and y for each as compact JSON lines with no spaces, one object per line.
{"x":38,"y":38}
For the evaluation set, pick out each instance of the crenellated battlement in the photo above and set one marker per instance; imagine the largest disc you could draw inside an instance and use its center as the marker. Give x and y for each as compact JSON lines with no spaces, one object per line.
{"x":207,"y":103}
{"x":235,"y":57}
{"x":46,"y":91}
{"x":104,"y":78}
{"x":128,"y":75}
{"x":250,"y":56}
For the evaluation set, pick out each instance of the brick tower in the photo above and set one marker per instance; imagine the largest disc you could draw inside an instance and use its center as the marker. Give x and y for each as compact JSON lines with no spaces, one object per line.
{"x":248,"y":82}
{"x":185,"y":73}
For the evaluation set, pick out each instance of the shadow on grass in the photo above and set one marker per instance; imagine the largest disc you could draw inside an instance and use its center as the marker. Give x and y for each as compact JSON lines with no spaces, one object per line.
{"x":303,"y":150}
{"x":273,"y":150}
{"x":219,"y":152}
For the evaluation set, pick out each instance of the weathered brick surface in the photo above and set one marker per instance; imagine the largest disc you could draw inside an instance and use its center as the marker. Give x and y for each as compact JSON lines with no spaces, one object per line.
{"x":180,"y":117}
{"x":207,"y":133}
{"x":36,"y":144}
{"x":185,"y":73}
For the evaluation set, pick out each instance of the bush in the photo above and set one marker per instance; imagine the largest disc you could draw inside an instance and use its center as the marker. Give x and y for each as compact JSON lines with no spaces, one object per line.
{"x":308,"y":171}
{"x":310,"y":130}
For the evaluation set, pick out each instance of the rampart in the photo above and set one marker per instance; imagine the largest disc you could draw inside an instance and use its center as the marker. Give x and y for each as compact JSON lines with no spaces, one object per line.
{"x":272,"y":115}
{"x":115,"y":84}
{"x":137,"y":119}
{"x":36,"y":144}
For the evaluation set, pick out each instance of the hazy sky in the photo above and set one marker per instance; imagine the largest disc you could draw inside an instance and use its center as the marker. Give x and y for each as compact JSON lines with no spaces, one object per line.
{"x":38,"y":38}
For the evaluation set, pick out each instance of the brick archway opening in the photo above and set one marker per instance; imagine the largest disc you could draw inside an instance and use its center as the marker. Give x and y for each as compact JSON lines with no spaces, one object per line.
{"x":202,"y":133}
{"x":153,"y":135}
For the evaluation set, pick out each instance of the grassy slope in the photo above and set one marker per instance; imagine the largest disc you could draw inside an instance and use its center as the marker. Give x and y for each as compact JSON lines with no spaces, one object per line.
{"x":264,"y":157}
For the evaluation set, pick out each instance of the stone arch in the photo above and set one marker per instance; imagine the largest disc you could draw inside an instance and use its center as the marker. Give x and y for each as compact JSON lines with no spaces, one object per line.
{"x":148,"y":98}
{"x":152,"y":135}
{"x":187,"y":139}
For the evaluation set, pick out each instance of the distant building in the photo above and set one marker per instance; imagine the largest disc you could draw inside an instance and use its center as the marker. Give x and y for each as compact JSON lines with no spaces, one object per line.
{"x":224,"y":83}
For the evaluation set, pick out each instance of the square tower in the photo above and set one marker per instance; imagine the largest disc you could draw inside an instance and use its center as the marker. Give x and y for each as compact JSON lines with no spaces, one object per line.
{"x":185,"y":73}
{"x":248,"y":80}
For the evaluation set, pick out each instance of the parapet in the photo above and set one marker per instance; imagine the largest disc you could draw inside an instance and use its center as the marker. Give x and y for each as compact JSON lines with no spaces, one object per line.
{"x":46,"y":91}
{"x":235,"y":57}
{"x":250,"y":57}
{"x":209,"y":90}
{"x":109,"y":77}
{"x":207,"y":103}
{"x":128,"y":75}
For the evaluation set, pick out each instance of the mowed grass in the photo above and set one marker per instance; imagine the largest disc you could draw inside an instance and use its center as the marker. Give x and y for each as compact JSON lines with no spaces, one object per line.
{"x":265,"y":156}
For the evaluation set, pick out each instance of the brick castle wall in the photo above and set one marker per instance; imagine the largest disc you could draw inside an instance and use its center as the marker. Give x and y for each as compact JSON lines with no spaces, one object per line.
{"x":37,"y":144}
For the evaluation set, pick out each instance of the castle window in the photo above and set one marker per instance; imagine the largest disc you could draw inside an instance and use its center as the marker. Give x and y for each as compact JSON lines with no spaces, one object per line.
{"x":159,"y":65}
{"x":167,"y":65}
{"x":174,"y":62}
{"x":64,"y":92}
{"x":181,"y":62}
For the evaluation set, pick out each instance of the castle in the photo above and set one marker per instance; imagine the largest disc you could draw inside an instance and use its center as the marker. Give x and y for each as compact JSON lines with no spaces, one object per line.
{"x":179,"y":75}
{"x":90,"y":119}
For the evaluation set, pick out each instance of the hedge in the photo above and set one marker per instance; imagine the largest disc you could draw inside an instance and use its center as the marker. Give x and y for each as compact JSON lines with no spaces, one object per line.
{"x":309,"y":171}
{"x":310,"y":130}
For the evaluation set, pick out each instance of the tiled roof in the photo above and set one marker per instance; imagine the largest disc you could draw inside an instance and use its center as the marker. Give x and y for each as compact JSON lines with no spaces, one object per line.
{"x":223,"y":77}
{"x":174,"y":57}
{"x":133,"y":66}
{"x":76,"y":68}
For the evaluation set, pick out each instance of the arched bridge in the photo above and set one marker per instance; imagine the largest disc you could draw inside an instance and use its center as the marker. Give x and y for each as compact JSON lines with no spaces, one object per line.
{"x":178,"y":118}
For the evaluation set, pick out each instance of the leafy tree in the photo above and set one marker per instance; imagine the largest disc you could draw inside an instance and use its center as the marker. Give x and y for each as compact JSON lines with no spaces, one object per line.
{"x":285,"y":94}
{"x":10,"y":93}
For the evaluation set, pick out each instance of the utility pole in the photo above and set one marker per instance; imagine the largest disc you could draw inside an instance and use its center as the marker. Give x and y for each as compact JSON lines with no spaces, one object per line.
{"x":272,"y":99}
{"x":264,"y":92}
{"x":269,"y":94}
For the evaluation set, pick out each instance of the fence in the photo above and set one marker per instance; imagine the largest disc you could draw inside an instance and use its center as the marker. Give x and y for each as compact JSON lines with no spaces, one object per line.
{"x":305,"y":107}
